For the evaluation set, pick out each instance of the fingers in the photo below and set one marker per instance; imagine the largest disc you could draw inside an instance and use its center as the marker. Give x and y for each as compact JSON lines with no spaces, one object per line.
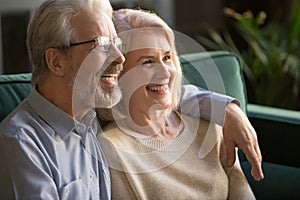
{"x":253,"y":155}
{"x":238,"y":132}
{"x":256,"y":171}
{"x":230,"y":152}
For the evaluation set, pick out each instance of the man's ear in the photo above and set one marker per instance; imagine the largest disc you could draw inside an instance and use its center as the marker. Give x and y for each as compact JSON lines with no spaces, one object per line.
{"x":55,"y":61}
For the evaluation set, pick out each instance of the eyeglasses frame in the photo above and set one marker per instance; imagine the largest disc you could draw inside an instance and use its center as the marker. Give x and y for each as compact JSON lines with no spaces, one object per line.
{"x":98,"y":41}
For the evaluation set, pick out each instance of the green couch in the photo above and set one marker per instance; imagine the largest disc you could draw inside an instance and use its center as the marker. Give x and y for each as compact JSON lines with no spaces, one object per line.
{"x":278,"y":130}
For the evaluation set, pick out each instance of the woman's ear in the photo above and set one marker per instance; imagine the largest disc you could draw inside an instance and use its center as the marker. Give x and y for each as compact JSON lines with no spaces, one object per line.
{"x":55,"y":61}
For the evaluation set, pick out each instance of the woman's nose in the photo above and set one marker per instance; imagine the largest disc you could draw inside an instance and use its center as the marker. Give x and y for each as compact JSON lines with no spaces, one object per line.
{"x":163,"y":70}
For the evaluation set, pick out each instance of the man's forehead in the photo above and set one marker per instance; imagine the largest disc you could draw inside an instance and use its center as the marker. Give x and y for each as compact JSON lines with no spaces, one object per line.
{"x":92,"y":25}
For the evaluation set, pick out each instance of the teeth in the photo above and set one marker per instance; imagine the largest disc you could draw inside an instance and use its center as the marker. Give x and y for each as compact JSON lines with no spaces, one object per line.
{"x":158,"y":88}
{"x":109,"y":77}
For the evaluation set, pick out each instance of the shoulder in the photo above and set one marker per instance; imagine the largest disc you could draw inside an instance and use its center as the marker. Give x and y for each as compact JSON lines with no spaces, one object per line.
{"x":112,"y":133}
{"x":119,"y":138}
{"x":208,"y":135}
{"x":23,"y":125}
{"x":21,"y":118}
{"x":201,"y":126}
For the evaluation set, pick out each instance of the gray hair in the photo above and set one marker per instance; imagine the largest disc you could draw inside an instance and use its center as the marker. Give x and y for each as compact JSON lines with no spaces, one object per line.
{"x":50,"y":27}
{"x":130,"y":19}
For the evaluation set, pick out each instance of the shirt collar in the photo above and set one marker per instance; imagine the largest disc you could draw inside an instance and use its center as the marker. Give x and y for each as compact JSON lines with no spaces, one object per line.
{"x":60,"y":121}
{"x":86,"y":125}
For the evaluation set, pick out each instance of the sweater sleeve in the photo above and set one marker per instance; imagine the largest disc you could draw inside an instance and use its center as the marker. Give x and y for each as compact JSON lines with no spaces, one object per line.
{"x":239,"y":187}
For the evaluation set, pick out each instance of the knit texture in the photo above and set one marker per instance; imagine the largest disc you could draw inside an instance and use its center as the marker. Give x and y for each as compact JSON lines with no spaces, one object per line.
{"x":191,"y":166}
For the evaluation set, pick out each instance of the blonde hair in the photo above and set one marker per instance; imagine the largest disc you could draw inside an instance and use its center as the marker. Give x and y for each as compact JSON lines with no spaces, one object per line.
{"x":129,"y":19}
{"x":50,"y":27}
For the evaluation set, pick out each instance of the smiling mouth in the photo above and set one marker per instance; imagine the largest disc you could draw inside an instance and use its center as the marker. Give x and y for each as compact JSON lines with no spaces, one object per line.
{"x":157,"y":88}
{"x":109,"y":81}
{"x":109,"y":77}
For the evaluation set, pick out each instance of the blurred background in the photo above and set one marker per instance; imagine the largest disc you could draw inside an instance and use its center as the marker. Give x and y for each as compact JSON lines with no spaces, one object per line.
{"x":264,"y":34}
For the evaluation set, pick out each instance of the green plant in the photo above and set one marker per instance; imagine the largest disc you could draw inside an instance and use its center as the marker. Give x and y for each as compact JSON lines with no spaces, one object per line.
{"x":270,"y":58}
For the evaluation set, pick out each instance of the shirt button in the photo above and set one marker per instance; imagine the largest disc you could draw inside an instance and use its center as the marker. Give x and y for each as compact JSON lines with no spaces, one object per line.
{"x":80,"y":127}
{"x":91,"y":175}
{"x":92,"y":130}
{"x":57,"y":137}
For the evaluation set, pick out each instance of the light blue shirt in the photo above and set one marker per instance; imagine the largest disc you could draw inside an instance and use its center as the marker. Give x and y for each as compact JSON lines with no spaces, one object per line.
{"x":45,"y":154}
{"x":204,"y":104}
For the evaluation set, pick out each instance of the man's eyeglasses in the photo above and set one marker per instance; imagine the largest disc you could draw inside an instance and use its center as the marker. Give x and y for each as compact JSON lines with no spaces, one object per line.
{"x":102,"y":42}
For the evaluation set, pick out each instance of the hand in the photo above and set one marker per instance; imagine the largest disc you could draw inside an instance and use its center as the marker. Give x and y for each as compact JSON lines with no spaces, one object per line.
{"x":238,"y":132}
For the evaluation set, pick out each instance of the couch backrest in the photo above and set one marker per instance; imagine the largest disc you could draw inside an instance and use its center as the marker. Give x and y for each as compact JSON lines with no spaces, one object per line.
{"x":200,"y":69}
{"x":218,"y":71}
{"x":13,"y":89}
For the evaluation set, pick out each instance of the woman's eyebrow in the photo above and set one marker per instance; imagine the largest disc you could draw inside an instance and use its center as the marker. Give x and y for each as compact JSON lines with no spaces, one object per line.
{"x":145,"y":57}
{"x":151,"y":56}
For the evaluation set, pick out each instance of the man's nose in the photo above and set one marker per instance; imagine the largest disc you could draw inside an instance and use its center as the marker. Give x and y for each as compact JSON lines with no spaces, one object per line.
{"x":117,"y":58}
{"x":120,"y":60}
{"x":118,"y":53}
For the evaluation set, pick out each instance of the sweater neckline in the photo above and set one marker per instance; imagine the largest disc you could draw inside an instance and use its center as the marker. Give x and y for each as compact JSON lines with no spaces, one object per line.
{"x":183,"y":138}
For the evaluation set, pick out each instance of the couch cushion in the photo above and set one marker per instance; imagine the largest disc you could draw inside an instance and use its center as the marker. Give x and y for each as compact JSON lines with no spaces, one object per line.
{"x":219,"y":71}
{"x":280,"y":182}
{"x":13,"y":89}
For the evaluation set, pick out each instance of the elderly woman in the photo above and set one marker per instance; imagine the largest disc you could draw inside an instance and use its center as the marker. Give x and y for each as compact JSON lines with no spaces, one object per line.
{"x":153,"y":151}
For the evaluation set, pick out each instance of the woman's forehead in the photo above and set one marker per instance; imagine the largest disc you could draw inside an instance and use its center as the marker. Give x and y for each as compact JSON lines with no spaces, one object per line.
{"x":147,"y":52}
{"x":145,"y":39}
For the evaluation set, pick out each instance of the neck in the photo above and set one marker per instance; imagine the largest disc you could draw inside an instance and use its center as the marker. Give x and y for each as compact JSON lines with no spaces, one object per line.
{"x":59,"y":93}
{"x":171,"y":127}
{"x":161,"y":124}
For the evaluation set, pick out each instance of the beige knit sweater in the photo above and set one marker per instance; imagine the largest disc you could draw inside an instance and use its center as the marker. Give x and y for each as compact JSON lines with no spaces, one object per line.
{"x":192,"y":166}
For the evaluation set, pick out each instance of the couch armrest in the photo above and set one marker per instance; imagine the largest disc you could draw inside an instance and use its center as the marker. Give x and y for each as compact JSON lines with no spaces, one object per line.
{"x":274,"y":114}
{"x":278,"y":132}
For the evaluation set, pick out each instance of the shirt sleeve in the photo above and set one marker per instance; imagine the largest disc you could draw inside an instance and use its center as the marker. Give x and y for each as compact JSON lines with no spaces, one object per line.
{"x":200,"y":103}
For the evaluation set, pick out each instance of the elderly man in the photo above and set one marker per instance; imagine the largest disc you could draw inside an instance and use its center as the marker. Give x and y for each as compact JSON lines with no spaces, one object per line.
{"x":49,"y":149}
{"x":48,"y":144}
